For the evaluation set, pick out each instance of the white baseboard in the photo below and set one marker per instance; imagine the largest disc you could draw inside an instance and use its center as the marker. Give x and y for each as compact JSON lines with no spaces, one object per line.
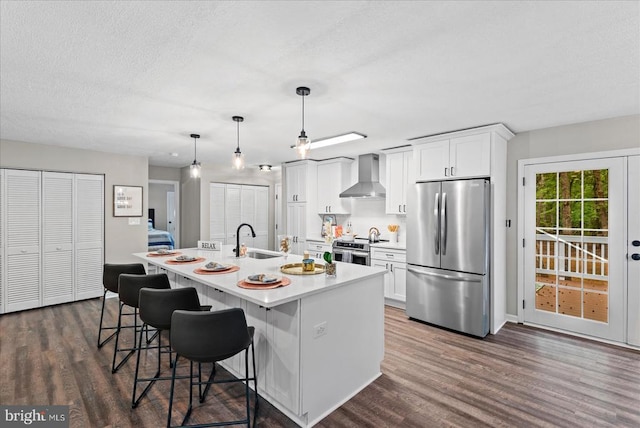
{"x":511,"y":318}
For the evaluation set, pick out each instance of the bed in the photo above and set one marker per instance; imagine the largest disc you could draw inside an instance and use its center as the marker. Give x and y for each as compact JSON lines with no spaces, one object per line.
{"x":158,"y":239}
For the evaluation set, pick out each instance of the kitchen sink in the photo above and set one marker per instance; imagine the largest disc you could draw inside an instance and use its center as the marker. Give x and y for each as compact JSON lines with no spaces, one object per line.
{"x":261,"y":255}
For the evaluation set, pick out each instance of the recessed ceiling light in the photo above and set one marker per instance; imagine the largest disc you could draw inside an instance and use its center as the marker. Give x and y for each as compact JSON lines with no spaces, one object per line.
{"x":174,"y":154}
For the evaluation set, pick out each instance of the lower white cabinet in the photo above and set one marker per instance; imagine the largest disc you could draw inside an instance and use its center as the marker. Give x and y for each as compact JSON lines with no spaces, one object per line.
{"x":395,"y":281}
{"x":318,"y":248}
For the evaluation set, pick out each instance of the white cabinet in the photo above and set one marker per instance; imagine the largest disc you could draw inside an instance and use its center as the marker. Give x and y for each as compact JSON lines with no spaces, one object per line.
{"x":451,"y":158}
{"x":277,"y":348}
{"x":395,"y":281}
{"x":400,"y":175}
{"x":297,"y":227}
{"x":318,"y":248}
{"x":334,"y":176}
{"x":300,"y":181}
{"x":233,"y":204}
{"x":52,"y":245}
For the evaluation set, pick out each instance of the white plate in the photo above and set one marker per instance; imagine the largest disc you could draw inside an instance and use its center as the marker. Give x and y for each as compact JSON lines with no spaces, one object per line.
{"x":185,"y":259}
{"x":266,"y":279}
{"x":165,"y":252}
{"x":220,"y":267}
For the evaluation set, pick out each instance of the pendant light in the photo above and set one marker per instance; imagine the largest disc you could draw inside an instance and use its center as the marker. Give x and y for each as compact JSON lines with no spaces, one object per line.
{"x":195,"y":166}
{"x":303,"y":144}
{"x":238,"y":157}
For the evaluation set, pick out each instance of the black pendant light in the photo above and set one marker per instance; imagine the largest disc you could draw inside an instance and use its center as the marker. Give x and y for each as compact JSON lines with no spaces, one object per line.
{"x":238,"y":157}
{"x":303,"y":143}
{"x":195,"y":166}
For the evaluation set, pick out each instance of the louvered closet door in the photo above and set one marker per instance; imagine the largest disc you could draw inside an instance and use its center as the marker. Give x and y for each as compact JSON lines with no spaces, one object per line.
{"x":261,"y":220}
{"x":57,"y":238}
{"x":2,"y":228}
{"x":232,"y":215}
{"x":89,"y":235}
{"x":247,"y":214}
{"x":22,"y":239}
{"x":216,"y":212}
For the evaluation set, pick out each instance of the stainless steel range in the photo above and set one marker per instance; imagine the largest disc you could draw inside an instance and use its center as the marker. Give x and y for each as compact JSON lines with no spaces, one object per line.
{"x":356,"y":251}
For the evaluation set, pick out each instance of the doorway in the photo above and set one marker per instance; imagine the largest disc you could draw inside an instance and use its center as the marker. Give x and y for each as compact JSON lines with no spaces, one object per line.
{"x":164,"y":198}
{"x":576,"y":222}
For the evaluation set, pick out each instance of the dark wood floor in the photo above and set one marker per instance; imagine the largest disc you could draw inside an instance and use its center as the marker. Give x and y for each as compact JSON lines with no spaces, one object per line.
{"x":520,"y":377}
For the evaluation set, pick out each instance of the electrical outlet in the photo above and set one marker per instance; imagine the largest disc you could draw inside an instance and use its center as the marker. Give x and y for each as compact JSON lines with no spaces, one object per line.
{"x":320,"y":329}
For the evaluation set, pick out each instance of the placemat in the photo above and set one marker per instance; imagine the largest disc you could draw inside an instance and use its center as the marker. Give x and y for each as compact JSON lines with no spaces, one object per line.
{"x":285,"y":281}
{"x":177,"y":253}
{"x":174,"y":262}
{"x":201,"y":271}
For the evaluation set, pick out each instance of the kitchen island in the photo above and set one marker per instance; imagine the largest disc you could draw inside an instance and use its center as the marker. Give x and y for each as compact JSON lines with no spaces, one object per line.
{"x":318,"y":341}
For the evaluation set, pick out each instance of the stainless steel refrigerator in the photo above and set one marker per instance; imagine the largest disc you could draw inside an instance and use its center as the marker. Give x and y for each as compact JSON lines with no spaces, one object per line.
{"x":448,"y":230}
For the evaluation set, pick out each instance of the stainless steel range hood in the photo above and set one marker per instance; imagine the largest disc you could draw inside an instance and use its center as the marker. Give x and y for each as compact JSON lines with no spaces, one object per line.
{"x":368,"y":185}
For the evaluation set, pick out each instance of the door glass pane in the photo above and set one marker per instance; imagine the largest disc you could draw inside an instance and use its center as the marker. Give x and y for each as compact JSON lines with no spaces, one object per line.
{"x":572,"y":259}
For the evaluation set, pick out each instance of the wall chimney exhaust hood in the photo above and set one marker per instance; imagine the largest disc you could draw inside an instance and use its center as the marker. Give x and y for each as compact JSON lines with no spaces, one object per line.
{"x":368,"y":185}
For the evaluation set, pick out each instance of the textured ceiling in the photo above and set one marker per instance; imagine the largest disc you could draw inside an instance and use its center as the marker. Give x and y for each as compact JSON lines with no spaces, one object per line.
{"x":138,"y":77}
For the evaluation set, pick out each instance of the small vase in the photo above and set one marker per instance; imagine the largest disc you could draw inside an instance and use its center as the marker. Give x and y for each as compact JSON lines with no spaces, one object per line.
{"x":330,"y":270}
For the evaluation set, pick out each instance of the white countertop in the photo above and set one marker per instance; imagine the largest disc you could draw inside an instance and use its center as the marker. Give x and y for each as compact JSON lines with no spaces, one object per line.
{"x":301,"y":285}
{"x":391,"y":245}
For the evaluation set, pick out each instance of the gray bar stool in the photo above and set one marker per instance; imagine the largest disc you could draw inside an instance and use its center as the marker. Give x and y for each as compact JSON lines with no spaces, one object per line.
{"x":156,"y":308}
{"x":110,"y":274}
{"x":208,"y":338}
{"x":128,"y":292}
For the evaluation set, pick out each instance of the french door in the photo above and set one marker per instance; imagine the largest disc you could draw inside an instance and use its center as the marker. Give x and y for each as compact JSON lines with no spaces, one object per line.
{"x":575,"y":246}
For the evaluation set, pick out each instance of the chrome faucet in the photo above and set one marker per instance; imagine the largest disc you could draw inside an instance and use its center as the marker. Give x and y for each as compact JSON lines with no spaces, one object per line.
{"x":238,"y":237}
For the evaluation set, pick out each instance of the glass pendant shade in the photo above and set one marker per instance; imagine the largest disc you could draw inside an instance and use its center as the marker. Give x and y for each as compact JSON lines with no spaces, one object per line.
{"x":195,"y":169}
{"x":238,"y":157}
{"x":238,"y":160}
{"x":195,"y":166}
{"x":303,"y":145}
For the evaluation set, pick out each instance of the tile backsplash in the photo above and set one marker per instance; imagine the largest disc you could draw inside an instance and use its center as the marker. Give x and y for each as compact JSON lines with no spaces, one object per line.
{"x":368,"y":213}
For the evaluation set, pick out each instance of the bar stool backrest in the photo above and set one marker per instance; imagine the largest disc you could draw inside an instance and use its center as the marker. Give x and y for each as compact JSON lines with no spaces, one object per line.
{"x":130,"y":285}
{"x":111,"y":272}
{"x":157,"y":306}
{"x":209,"y":336}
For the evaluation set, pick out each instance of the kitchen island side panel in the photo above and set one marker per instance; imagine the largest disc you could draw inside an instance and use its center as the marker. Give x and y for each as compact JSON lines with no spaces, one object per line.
{"x":342,"y":345}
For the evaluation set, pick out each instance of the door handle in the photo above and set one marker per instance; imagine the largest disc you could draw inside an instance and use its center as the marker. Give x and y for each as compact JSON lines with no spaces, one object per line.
{"x":443,"y":219}
{"x":400,"y":208}
{"x":404,"y":208}
{"x":452,"y":173}
{"x":440,"y":275}
{"x":635,"y":256}
{"x":436,"y":231}
{"x":446,"y":172}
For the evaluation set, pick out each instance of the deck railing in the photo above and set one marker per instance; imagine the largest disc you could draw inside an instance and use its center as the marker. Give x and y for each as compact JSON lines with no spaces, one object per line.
{"x":568,"y":255}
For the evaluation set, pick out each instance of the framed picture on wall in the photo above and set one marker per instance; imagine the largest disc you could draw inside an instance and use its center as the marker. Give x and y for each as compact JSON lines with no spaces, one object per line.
{"x":127,"y":201}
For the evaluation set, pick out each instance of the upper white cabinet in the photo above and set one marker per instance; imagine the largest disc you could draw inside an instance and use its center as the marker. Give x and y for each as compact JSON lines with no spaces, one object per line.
{"x":454,"y":157}
{"x":301,"y":181}
{"x":334,"y":176}
{"x":400,"y":175}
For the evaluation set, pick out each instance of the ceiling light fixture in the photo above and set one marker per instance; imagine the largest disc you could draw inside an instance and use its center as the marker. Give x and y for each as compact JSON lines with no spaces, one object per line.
{"x":238,"y":157}
{"x":265,"y":167}
{"x":195,"y":166}
{"x":303,"y":143}
{"x":338,"y":139}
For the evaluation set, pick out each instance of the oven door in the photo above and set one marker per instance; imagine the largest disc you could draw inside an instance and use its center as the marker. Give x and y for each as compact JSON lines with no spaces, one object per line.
{"x":349,"y":256}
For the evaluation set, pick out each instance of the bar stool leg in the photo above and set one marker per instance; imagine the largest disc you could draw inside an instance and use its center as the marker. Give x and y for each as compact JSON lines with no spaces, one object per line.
{"x":100,"y":327}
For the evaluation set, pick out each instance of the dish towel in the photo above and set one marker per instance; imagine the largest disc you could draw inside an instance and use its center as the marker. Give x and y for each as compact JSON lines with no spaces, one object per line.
{"x":346,"y":257}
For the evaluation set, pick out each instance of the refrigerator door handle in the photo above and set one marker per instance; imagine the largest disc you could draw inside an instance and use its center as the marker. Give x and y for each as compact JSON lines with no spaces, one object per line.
{"x":436,"y":223}
{"x":440,"y":275}
{"x":443,"y":227}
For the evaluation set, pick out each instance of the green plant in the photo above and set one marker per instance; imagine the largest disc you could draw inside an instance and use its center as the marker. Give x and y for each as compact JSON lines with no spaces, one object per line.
{"x":327,"y":257}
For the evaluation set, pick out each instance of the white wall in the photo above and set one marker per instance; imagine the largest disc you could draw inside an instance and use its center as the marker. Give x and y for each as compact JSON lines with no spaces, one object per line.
{"x":121,"y":239}
{"x":596,"y":136}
